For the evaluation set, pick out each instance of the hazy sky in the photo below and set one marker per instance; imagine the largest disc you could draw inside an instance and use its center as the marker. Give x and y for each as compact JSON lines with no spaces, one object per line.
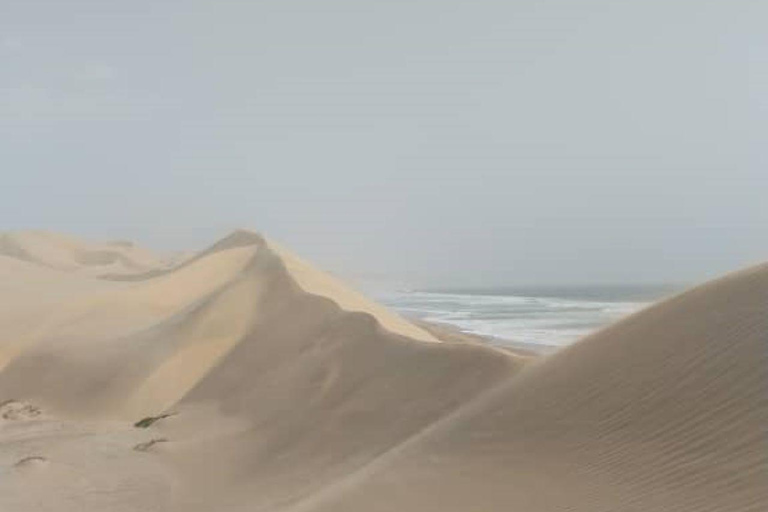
{"x":430,"y":141}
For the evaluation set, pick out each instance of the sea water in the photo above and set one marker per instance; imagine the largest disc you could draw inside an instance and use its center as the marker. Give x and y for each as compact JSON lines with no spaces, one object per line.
{"x":547,"y":316}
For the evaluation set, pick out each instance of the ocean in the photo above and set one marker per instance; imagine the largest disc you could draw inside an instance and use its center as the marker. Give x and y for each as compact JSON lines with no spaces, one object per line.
{"x":548,"y":316}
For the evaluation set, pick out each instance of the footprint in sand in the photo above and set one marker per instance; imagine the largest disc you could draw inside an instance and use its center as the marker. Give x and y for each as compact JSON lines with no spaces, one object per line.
{"x":31,"y":463}
{"x":145,"y":447}
{"x":14,"y":410}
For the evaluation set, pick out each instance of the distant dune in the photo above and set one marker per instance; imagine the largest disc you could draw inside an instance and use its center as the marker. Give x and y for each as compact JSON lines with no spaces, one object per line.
{"x":242,"y":378}
{"x":67,"y":253}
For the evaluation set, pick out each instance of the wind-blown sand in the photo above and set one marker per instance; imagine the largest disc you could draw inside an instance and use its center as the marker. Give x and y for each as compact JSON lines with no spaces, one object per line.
{"x":267,"y":385}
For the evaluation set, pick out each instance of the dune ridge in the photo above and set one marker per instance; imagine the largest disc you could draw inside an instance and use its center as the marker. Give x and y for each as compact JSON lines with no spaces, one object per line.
{"x":268,"y":385}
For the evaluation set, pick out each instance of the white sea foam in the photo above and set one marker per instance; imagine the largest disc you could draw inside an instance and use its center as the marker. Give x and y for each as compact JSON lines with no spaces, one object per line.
{"x":545,"y":320}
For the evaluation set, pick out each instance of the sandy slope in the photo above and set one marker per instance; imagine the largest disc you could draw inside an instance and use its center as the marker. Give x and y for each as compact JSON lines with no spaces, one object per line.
{"x":290,"y":392}
{"x":665,"y":411}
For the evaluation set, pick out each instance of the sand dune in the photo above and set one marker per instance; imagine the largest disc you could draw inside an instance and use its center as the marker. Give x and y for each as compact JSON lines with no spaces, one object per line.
{"x":267,"y":385}
{"x":71,"y":254}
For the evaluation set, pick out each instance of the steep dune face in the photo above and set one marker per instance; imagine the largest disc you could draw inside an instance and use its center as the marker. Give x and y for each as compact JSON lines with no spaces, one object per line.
{"x":289,"y":392}
{"x":665,"y":411}
{"x":322,"y":384}
{"x":328,"y":392}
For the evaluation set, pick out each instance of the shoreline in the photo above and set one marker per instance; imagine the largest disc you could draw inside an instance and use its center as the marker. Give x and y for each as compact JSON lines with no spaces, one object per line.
{"x":452,"y":333}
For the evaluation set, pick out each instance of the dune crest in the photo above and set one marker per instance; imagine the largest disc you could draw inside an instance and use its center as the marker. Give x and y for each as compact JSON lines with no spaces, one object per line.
{"x":317,"y":282}
{"x":242,"y":378}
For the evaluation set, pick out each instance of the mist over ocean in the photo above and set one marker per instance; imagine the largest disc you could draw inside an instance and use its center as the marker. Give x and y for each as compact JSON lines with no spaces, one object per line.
{"x":552,"y":316}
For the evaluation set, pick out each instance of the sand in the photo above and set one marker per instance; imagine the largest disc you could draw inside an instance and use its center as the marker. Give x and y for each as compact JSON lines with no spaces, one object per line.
{"x":242,"y":378}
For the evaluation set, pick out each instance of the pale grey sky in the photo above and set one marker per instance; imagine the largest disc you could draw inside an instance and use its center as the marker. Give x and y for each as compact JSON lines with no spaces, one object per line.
{"x":430,"y":141}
